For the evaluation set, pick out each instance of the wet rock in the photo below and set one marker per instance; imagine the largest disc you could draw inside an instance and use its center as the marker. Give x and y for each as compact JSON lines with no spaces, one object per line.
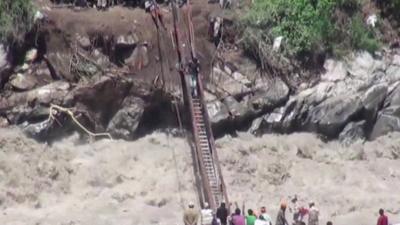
{"x":256,"y":126}
{"x":353,"y":132}
{"x":332,"y":115}
{"x":23,"y":82}
{"x":388,"y":121}
{"x":37,"y":130}
{"x":217,"y":111}
{"x":235,"y":109}
{"x":125,"y":122}
{"x":269,"y":94}
{"x":271,"y":122}
{"x":373,"y":100}
{"x":109,"y":93}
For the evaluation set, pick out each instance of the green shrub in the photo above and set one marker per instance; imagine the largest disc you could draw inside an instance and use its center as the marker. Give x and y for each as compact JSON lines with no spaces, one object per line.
{"x":361,"y":37}
{"x":16,"y":18}
{"x":308,"y":26}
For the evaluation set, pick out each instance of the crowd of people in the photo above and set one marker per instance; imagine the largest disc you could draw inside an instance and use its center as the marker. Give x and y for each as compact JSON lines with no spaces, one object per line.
{"x":222,"y":217}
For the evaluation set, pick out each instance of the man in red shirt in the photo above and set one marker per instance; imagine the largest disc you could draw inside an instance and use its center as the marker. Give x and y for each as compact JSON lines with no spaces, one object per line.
{"x":383,"y":219}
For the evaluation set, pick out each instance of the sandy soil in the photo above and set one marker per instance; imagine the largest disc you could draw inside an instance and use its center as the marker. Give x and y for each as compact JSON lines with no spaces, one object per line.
{"x":149,"y":181}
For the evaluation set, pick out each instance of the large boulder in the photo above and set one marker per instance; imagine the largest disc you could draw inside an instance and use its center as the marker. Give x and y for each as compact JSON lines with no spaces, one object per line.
{"x":332,"y":115}
{"x":54,"y":92}
{"x":268,"y":94}
{"x":60,"y":62}
{"x":217,"y":111}
{"x":353,"y":132}
{"x":363,"y":65}
{"x":226,"y":84}
{"x":373,"y":100}
{"x":125,"y":122}
{"x":271,"y":122}
{"x":102,"y":97}
{"x":23,"y":82}
{"x":335,"y":71}
{"x":236,"y":109}
{"x":388,"y":121}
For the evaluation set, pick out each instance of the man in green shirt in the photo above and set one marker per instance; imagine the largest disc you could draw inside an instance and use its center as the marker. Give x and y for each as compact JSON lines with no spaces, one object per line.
{"x":250,"y":218}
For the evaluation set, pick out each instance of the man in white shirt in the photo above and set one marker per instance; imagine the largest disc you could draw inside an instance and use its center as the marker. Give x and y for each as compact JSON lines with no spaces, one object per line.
{"x":206,"y":215}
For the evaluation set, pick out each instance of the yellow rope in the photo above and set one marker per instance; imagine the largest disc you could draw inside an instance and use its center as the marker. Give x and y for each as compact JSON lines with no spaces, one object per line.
{"x":53,"y":111}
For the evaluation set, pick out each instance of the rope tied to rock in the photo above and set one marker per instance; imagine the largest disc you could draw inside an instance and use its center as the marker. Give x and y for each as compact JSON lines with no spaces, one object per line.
{"x":54,"y":109}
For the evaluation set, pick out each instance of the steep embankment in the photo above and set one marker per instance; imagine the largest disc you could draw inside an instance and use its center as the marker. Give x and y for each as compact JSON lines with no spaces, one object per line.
{"x":147,"y":181}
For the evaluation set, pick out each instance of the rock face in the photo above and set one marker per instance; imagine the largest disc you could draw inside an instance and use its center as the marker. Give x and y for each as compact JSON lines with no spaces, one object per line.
{"x":361,"y":88}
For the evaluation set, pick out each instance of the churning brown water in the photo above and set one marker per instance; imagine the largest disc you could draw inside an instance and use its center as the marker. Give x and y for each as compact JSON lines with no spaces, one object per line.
{"x":148,"y":181}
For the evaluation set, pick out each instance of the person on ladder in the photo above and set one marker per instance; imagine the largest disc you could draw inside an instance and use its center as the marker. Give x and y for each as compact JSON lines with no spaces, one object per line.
{"x":194,"y":69}
{"x":152,"y":7}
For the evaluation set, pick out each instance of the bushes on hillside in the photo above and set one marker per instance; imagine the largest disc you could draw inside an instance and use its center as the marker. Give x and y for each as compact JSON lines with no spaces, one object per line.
{"x":308,"y":26}
{"x":16,"y":18}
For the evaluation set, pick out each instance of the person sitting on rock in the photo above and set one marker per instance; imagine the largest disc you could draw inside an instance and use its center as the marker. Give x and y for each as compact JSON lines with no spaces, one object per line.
{"x":152,"y":7}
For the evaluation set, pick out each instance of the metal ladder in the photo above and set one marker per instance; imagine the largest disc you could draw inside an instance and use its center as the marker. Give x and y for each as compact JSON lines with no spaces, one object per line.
{"x":206,"y":151}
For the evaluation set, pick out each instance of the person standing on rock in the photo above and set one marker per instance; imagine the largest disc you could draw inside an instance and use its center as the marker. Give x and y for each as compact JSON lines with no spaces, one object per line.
{"x":190,"y":216}
{"x":383,"y":219}
{"x":313,"y":214}
{"x":152,"y":7}
{"x":281,"y":218}
{"x":222,"y":214}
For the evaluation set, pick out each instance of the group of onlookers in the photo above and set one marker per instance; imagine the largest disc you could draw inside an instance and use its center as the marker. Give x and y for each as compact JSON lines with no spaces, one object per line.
{"x":238,"y":217}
